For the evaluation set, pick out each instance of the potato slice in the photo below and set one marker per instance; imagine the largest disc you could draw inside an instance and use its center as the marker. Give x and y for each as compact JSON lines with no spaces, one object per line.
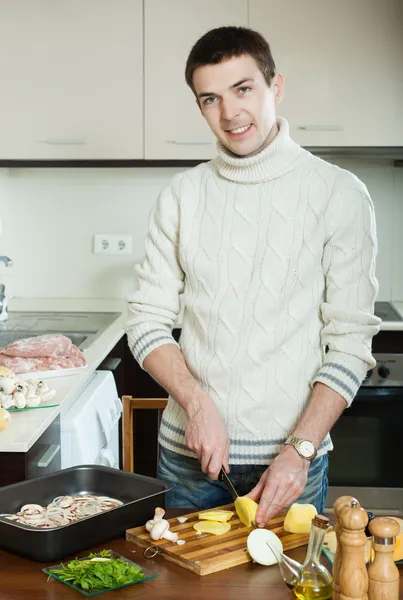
{"x":258,"y":548}
{"x":216,"y":515}
{"x":299,"y":518}
{"x":246,"y":510}
{"x":214,"y":527}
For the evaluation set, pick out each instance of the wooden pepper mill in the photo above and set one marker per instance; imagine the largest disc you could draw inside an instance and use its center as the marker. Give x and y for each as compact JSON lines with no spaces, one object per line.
{"x":383,"y":574}
{"x":337,"y":508}
{"x":353,"y":576}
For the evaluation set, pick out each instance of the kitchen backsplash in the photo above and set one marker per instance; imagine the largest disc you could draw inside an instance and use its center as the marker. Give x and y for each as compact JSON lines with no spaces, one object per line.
{"x":51,"y":215}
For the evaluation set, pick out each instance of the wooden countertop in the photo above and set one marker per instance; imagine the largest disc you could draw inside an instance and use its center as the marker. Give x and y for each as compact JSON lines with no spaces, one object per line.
{"x":22,"y":579}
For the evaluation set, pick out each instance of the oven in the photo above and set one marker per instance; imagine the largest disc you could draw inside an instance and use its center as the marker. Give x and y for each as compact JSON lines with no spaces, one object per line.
{"x":367,"y":460}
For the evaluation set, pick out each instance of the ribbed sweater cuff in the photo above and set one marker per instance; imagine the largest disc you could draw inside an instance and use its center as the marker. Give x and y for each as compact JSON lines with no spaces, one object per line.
{"x":143,"y":339}
{"x":344,"y":373}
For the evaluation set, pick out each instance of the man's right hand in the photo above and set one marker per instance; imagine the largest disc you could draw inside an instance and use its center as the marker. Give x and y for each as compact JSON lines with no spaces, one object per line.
{"x":207,"y":437}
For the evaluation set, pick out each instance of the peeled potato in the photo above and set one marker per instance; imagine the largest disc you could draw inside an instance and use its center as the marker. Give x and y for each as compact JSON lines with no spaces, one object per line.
{"x":246,"y":510}
{"x":216,"y":515}
{"x":212,"y":527}
{"x":4,"y":418}
{"x":299,"y":518}
{"x":259,"y":550}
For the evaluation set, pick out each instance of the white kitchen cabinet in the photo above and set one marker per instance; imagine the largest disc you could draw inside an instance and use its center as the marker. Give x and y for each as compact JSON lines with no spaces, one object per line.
{"x":174,"y":127}
{"x":71,"y":77}
{"x":343,"y":67}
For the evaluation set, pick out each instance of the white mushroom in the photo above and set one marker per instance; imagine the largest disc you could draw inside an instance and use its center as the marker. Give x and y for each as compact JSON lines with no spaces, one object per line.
{"x":42,"y":387}
{"x":33,"y":401}
{"x":48,"y":395}
{"x":158,"y":514}
{"x":149,"y":525}
{"x":161,"y":530}
{"x":6,"y":401}
{"x":7,"y":385}
{"x":19,"y":399}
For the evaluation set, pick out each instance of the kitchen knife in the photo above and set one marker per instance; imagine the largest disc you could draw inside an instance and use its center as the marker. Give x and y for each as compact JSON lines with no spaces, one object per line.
{"x":224,"y":477}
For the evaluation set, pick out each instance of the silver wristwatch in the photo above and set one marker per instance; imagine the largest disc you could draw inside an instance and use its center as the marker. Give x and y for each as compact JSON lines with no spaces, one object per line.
{"x":305,"y":448}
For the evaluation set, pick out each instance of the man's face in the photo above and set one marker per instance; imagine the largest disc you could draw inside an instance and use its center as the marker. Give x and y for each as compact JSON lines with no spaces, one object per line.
{"x":237,"y":103}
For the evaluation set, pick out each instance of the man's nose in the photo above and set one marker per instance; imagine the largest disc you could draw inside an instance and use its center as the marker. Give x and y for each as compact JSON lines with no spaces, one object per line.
{"x":229,"y":109}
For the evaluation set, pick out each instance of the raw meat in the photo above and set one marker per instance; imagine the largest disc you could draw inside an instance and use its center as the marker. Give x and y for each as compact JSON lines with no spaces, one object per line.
{"x":41,"y":353}
{"x":54,"y":344}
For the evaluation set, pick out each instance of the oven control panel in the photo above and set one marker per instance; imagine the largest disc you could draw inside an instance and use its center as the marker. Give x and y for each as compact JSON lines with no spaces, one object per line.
{"x":388,"y":371}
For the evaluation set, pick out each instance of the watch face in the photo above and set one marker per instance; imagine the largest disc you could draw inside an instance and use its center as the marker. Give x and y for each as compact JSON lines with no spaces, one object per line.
{"x":306,"y":448}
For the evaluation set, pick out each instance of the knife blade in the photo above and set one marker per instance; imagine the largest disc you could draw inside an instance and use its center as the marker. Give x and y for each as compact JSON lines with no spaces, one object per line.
{"x":224,"y":477}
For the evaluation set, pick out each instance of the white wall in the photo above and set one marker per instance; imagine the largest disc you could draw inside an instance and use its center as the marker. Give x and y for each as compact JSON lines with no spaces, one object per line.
{"x":50,"y":216}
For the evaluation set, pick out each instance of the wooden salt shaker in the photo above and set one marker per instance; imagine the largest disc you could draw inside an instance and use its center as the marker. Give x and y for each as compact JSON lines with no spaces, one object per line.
{"x":337,"y":508}
{"x":383,"y":574}
{"x":353,"y":576}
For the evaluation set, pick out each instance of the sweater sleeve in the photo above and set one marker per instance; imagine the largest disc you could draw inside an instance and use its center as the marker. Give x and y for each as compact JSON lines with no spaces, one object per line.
{"x":351,"y":288}
{"x":155,"y":306}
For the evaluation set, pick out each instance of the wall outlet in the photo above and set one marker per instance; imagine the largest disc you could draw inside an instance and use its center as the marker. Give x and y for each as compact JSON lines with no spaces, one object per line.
{"x":112,"y":243}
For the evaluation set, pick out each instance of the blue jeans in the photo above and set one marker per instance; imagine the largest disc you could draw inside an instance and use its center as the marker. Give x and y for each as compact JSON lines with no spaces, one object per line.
{"x":193,"y":489}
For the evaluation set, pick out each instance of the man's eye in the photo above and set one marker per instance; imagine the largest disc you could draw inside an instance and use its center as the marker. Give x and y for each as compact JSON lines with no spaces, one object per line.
{"x":209,"y":100}
{"x":244,"y":89}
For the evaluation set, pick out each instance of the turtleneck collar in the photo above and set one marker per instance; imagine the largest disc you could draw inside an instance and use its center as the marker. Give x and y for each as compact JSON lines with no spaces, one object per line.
{"x":274,"y":160}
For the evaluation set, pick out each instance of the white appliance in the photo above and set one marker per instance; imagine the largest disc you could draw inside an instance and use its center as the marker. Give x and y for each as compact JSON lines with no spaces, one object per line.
{"x":90,"y":427}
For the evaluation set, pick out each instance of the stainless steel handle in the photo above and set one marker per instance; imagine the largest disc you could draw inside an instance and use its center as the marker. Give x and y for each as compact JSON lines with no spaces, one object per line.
{"x":111,"y":364}
{"x":49,"y":455}
{"x":61,"y":142}
{"x":321,"y":127}
{"x":6,"y":260}
{"x":188,"y":143}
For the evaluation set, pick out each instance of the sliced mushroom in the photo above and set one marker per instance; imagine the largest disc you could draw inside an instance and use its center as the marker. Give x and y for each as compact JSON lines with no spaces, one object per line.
{"x":31,"y":509}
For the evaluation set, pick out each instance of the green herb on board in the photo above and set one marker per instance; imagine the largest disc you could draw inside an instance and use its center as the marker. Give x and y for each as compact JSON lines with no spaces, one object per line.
{"x":99,"y":571}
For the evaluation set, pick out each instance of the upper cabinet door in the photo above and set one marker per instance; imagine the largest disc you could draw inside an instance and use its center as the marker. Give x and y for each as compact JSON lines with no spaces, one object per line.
{"x":343,"y":67}
{"x":174,"y":127}
{"x":71,"y":77}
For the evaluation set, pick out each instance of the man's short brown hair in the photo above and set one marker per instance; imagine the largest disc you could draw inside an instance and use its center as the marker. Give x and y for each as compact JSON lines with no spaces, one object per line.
{"x":224,"y":43}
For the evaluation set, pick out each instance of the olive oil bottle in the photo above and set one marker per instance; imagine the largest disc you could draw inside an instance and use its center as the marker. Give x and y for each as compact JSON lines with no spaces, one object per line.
{"x":314,"y":581}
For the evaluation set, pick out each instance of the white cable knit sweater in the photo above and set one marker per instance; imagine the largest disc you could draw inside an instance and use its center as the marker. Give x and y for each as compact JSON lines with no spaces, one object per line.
{"x":275,"y":257}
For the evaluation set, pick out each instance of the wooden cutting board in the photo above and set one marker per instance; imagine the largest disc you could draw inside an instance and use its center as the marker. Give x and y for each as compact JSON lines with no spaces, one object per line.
{"x":206,"y":553}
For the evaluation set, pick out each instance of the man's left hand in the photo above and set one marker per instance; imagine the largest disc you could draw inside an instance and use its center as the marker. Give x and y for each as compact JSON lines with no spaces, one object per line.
{"x":280,"y":485}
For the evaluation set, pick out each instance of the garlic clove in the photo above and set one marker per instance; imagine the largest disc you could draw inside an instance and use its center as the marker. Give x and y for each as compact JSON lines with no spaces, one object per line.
{"x":182,"y":519}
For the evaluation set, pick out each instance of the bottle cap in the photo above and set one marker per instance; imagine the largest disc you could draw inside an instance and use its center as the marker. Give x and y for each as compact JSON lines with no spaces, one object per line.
{"x":320,"y":521}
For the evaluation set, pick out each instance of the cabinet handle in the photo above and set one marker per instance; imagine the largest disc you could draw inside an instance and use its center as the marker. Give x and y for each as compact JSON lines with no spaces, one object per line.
{"x":188,"y":143}
{"x":49,"y":455}
{"x":61,"y":142}
{"x":321,"y":127}
{"x":110,"y":364}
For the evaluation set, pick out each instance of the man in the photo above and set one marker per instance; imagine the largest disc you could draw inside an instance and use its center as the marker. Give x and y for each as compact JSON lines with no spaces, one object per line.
{"x":274,"y":252}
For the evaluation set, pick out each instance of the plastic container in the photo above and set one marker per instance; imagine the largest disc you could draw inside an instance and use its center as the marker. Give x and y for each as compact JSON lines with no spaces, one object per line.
{"x":140,"y":496}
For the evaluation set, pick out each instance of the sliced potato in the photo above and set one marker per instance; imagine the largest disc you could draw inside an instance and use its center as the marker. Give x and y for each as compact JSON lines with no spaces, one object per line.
{"x":246,"y":510}
{"x":216,"y":515}
{"x":258,"y":548}
{"x":214,"y":527}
